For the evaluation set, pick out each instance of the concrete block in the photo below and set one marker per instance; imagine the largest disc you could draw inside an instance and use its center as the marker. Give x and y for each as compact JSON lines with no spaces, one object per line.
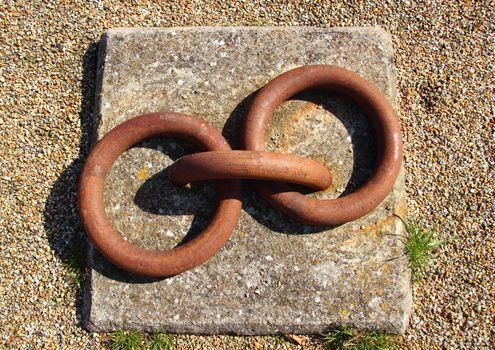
{"x":274,"y":275}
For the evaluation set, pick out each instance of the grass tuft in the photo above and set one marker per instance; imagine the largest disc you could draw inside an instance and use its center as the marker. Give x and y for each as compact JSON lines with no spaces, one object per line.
{"x":76,"y":264}
{"x":132,"y":340}
{"x":338,"y":338}
{"x":161,"y":342}
{"x":259,"y":23}
{"x":279,"y":339}
{"x":346,"y":338}
{"x":124,"y":340}
{"x":420,"y":247}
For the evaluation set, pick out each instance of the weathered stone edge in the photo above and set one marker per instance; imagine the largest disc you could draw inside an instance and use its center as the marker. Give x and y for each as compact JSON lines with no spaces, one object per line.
{"x":87,"y":297}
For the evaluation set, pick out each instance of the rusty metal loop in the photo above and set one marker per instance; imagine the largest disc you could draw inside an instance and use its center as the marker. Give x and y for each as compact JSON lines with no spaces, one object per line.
{"x":109,"y":242}
{"x":218,"y":161}
{"x":250,"y":165}
{"x":385,"y":127}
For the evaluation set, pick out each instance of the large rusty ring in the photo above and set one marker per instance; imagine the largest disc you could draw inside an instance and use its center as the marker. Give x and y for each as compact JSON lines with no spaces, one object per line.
{"x":385,"y":127}
{"x":109,"y":242}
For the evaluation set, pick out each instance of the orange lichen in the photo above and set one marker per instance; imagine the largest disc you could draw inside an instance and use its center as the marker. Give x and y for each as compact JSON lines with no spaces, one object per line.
{"x":143,"y":173}
{"x":380,"y":226}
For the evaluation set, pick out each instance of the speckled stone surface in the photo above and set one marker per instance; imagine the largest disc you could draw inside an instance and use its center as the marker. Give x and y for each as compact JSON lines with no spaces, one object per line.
{"x":274,"y":275}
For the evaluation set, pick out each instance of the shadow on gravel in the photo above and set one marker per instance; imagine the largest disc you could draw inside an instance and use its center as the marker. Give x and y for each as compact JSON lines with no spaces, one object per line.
{"x":61,"y":215}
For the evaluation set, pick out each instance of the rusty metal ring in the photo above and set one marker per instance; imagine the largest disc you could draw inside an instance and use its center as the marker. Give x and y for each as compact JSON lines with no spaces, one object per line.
{"x":109,"y":242}
{"x":268,"y":166}
{"x":385,"y":127}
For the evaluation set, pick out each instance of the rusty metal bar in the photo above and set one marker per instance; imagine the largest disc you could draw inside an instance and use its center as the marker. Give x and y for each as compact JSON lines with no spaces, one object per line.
{"x":250,"y":165}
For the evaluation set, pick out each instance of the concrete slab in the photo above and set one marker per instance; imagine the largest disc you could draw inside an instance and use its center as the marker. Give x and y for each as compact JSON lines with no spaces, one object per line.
{"x":275,"y":274}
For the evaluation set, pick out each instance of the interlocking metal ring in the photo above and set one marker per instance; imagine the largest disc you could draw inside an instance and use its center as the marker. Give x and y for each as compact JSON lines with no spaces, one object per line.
{"x":109,"y":242}
{"x":385,"y":127}
{"x":220,"y":162}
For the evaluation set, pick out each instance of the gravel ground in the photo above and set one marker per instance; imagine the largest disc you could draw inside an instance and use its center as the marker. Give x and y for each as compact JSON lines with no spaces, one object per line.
{"x":445,"y":64}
